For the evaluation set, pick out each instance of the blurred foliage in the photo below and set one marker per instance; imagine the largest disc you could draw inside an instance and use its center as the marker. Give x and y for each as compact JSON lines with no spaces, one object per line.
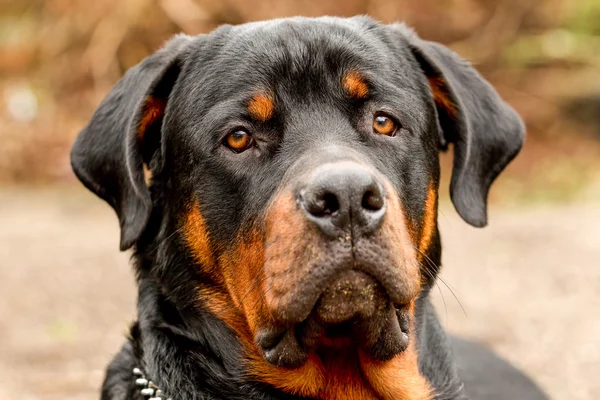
{"x":58,"y":58}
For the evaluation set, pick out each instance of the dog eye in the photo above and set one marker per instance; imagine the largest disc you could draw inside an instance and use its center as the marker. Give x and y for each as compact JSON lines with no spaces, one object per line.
{"x":384,"y":125}
{"x":239,"y":140}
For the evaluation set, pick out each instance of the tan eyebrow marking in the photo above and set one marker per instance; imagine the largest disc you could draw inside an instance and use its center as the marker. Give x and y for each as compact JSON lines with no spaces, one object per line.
{"x":355,"y":85}
{"x":261,"y":107}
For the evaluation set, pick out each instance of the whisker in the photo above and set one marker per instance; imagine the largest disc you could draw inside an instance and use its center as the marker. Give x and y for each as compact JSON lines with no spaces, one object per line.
{"x":178,"y":230}
{"x":430,"y":275}
{"x":453,"y":294}
{"x":434,"y":265}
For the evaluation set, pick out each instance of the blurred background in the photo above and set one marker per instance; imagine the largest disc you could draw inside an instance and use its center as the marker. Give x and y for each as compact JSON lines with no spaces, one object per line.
{"x":528,"y":285}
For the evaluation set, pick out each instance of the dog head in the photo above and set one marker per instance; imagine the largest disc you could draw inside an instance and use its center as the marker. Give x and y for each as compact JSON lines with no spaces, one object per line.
{"x":284,"y":176}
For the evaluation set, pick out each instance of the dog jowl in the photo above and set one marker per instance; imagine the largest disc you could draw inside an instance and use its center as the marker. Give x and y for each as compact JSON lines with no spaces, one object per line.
{"x":278,"y":182}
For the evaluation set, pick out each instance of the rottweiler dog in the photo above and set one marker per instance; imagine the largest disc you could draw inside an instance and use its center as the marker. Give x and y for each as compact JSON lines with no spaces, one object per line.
{"x":278,"y":182}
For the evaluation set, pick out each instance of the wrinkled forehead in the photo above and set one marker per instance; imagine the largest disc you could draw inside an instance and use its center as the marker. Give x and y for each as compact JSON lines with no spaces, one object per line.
{"x":295,"y":58}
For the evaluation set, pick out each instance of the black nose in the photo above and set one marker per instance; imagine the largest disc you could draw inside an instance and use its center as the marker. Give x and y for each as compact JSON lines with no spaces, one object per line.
{"x":342,"y":196}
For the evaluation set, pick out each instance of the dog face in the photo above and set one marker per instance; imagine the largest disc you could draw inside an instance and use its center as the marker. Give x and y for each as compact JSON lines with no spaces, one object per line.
{"x":284,"y":176}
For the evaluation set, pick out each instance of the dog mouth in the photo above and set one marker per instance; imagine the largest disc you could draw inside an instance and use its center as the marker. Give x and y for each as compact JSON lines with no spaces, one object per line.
{"x":354,"y":311}
{"x":352,"y":294}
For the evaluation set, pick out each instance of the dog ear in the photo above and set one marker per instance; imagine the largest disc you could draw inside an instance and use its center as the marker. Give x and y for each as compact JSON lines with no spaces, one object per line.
{"x":108,"y":155}
{"x":485,"y":131}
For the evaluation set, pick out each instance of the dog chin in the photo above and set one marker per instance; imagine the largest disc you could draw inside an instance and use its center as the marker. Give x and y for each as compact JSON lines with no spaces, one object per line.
{"x":354,"y":313}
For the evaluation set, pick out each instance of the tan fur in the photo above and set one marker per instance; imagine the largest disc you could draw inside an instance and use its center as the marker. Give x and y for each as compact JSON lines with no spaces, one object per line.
{"x":261,"y":107}
{"x":355,"y":85}
{"x":153,"y":110}
{"x":429,"y":219}
{"x":441,"y":96}
{"x":335,"y":372}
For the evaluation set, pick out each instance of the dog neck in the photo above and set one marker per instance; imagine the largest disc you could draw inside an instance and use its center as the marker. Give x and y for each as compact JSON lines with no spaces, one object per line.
{"x":187,"y":352}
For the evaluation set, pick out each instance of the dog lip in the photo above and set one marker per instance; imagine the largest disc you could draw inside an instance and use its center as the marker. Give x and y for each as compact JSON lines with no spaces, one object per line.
{"x":353,"y":310}
{"x":269,"y":339}
{"x":291,"y":309}
{"x":352,"y":293}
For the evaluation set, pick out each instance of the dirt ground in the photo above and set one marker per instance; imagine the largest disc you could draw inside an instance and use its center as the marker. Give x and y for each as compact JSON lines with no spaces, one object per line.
{"x":529,"y":285}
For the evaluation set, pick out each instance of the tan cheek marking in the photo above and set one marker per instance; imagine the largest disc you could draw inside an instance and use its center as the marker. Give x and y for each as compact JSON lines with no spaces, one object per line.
{"x":428,"y":219}
{"x":221,"y":306}
{"x":355,"y":86}
{"x":285,"y":230}
{"x":196,"y":236}
{"x":242,"y":269}
{"x":153,"y":110}
{"x":403,"y":250}
{"x":242,"y":309}
{"x":261,"y":107}
{"x":441,"y":95}
{"x":288,"y":239}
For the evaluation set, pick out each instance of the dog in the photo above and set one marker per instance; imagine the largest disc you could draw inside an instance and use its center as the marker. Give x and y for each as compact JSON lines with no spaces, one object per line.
{"x":278,"y":182}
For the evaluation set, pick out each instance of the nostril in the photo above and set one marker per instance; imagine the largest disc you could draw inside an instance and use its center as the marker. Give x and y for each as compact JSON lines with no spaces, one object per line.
{"x":331,"y":204}
{"x":324,"y":205}
{"x":372,"y":200}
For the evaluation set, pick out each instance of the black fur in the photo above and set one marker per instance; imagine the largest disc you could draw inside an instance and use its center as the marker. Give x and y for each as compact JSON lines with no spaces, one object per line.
{"x":205,"y":82}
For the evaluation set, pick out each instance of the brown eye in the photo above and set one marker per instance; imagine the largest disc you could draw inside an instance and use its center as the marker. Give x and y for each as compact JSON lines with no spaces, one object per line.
{"x":239,"y":140}
{"x":384,"y":125}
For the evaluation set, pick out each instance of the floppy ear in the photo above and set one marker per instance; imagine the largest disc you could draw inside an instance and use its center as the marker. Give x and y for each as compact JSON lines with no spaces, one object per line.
{"x":124,"y":133}
{"x":486,"y":132}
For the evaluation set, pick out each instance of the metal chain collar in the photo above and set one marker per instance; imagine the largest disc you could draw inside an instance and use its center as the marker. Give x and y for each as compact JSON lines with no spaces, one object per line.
{"x":147,"y":387}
